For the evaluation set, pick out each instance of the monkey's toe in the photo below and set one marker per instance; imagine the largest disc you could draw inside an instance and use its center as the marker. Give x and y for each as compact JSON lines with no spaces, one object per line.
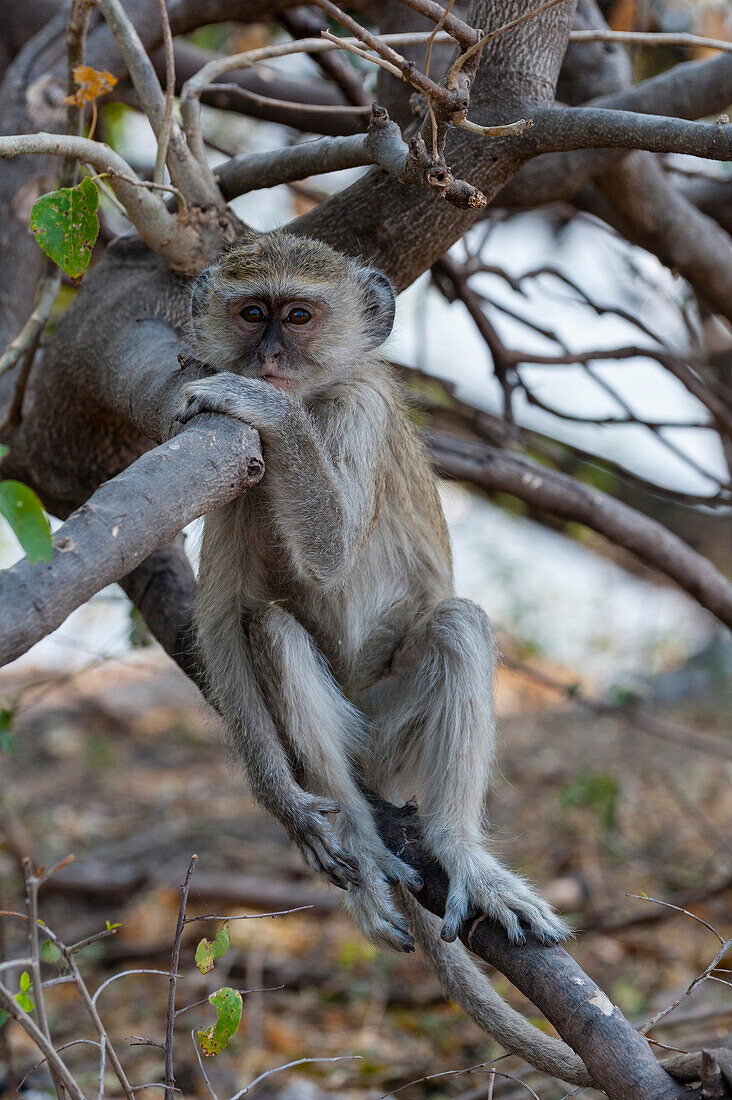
{"x":490,"y":889}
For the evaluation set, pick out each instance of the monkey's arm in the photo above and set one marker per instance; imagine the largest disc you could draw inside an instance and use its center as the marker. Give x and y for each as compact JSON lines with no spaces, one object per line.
{"x":321,"y":480}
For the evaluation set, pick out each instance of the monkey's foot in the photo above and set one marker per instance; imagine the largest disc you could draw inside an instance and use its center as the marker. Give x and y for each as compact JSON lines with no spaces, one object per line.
{"x":480,"y":884}
{"x":319,"y":846}
{"x":371,"y":907}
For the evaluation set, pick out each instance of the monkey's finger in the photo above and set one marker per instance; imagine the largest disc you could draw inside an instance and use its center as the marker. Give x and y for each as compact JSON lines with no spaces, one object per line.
{"x":406,"y":942}
{"x":336,"y":863}
{"x":324,"y":867}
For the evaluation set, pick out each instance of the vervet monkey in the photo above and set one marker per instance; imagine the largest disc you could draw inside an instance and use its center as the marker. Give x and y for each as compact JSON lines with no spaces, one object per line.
{"x":333,"y":643}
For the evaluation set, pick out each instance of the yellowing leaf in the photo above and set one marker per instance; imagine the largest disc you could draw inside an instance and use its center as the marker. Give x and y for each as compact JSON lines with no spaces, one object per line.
{"x":92,"y":83}
{"x":228,"y":1005}
{"x":208,"y":950}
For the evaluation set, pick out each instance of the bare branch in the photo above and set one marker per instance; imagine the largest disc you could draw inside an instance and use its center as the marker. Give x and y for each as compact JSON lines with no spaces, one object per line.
{"x":304,"y":23}
{"x":34,"y":951}
{"x":164,"y":138}
{"x":289,"y":1065}
{"x":383,"y":144}
{"x":194,"y":179}
{"x":218,"y":67}
{"x":174,"y":963}
{"x":26,"y":342}
{"x":561,"y":130}
{"x":655,"y":38}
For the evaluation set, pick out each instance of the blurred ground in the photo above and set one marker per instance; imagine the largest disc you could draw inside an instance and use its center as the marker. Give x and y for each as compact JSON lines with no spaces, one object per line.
{"x":121,"y":766}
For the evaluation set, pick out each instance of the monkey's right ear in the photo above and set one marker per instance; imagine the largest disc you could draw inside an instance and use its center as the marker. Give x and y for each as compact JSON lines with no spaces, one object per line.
{"x":199,"y":292}
{"x":380,"y":305}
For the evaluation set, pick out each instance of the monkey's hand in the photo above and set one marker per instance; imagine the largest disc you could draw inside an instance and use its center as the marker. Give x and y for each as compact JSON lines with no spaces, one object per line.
{"x":318,"y":844}
{"x":255,"y":402}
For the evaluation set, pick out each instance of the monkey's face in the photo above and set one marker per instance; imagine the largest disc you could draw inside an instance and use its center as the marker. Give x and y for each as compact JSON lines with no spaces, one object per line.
{"x":278,"y":336}
{"x":291,"y":311}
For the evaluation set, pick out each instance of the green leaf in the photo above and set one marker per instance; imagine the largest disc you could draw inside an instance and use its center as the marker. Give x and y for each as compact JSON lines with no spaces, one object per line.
{"x":50,"y":953}
{"x":3,"y":450}
{"x":228,"y":1005}
{"x":22,"y":998}
{"x":66,"y":225}
{"x":3,"y":1017}
{"x":24,"y":512}
{"x":25,"y":1002}
{"x":110,"y":925}
{"x":208,"y":950}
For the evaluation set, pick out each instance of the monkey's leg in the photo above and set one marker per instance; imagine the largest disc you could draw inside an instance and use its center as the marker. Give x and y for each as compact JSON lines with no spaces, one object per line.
{"x":325,"y":732}
{"x":255,"y":742}
{"x":438,"y":722}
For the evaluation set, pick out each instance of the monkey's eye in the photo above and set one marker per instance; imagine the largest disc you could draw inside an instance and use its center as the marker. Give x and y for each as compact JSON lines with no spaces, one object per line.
{"x":253,"y":315}
{"x":298,"y":316}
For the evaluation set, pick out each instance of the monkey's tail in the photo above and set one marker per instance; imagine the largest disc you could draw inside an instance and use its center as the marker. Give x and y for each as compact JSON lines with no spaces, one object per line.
{"x":470,"y":989}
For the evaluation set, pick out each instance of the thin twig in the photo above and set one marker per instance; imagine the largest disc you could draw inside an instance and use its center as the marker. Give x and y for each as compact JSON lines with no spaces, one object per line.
{"x":164,"y":137}
{"x":64,"y":1046}
{"x":697,"y":981}
{"x":34,"y":951}
{"x":479,"y":1067}
{"x":431,"y":40}
{"x":174,"y":962}
{"x":197,"y":1049}
{"x":126,"y":974}
{"x":248,"y":916}
{"x":351,"y":47}
{"x":679,"y":909}
{"x":655,"y":38}
{"x":290,"y":1065}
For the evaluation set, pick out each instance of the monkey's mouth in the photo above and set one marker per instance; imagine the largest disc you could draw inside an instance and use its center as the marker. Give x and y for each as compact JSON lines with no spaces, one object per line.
{"x":279,"y":381}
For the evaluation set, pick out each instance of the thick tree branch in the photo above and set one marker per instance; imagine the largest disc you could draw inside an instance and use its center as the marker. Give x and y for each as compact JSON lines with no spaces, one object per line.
{"x":687,"y":91}
{"x":123,"y":523}
{"x":383,"y":145}
{"x":551,"y":130}
{"x":556,"y":130}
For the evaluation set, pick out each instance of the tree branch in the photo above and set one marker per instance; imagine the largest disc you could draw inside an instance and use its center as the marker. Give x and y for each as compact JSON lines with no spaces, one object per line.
{"x":561,"y":130}
{"x":124,"y":522}
{"x":383,"y":144}
{"x":560,"y":495}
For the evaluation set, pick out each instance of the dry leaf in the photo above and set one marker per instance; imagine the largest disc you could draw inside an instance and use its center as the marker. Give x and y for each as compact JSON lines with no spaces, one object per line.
{"x":92,"y":83}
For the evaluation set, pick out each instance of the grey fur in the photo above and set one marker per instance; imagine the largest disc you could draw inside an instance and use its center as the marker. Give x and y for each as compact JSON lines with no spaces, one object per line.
{"x":333,"y":642}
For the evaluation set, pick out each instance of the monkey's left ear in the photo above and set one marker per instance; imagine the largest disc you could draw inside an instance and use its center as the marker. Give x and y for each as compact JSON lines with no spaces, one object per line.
{"x":380,"y":305}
